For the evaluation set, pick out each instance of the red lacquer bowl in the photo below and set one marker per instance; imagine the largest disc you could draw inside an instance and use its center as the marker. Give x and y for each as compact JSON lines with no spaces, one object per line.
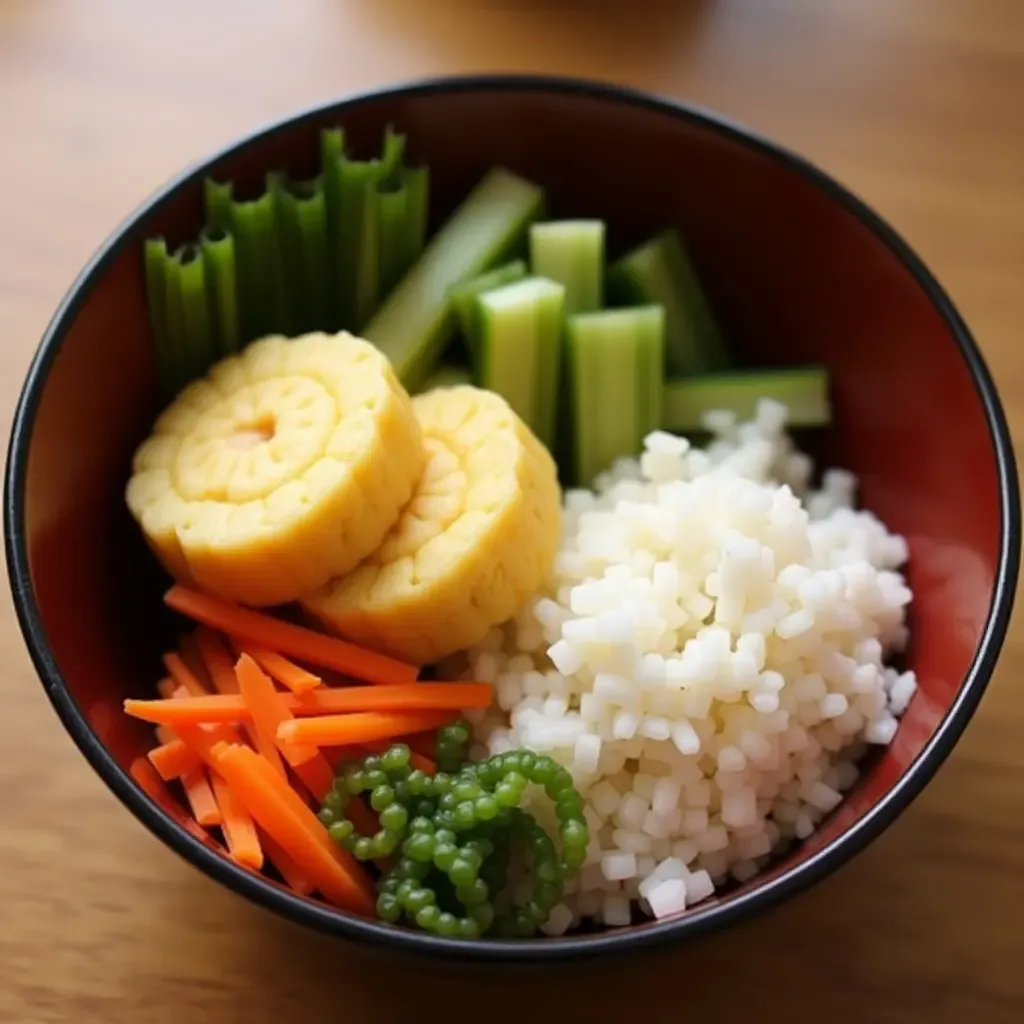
{"x":800,"y":270}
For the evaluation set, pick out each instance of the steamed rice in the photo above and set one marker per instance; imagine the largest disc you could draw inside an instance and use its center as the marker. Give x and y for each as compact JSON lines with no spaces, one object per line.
{"x":710,"y":663}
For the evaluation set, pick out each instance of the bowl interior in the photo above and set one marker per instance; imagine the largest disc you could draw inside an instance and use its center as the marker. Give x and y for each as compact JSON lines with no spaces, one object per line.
{"x":795,"y":275}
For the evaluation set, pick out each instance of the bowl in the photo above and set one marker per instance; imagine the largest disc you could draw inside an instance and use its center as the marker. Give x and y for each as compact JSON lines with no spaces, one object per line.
{"x":800,"y":270}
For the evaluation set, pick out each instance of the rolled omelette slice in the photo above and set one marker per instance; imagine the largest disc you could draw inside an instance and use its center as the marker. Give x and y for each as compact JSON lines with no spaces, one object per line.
{"x":281,"y":469}
{"x":477,"y":539}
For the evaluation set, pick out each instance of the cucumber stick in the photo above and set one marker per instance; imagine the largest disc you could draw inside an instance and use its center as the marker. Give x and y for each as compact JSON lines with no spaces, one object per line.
{"x":571,"y":252}
{"x":661,"y":272}
{"x":616,"y":360}
{"x":804,"y":390}
{"x":463,"y":296}
{"x":519,"y":351}
{"x":413,"y":324}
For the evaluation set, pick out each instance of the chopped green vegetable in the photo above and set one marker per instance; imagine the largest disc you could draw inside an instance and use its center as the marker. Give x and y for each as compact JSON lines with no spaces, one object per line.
{"x":188,"y":312}
{"x":413,"y":324}
{"x":615,"y":360}
{"x":167,"y":368}
{"x":261,"y":299}
{"x":218,"y":197}
{"x":519,"y":353}
{"x":571,"y":252}
{"x":222,"y":288}
{"x":301,"y":220}
{"x":661,"y":272}
{"x":804,"y":390}
{"x":464,"y":296}
{"x":332,"y":149}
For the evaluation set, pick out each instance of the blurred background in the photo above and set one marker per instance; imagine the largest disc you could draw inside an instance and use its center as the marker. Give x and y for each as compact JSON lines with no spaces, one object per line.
{"x":917,"y":106}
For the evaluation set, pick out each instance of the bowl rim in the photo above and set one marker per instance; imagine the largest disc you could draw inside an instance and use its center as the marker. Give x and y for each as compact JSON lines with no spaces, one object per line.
{"x":541,"y":950}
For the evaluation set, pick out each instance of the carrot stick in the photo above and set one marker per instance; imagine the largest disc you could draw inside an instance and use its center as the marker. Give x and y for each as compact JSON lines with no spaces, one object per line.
{"x":280,"y":812}
{"x":166,"y":687}
{"x":200,"y":797}
{"x":346,"y":730}
{"x":286,"y":866}
{"x":235,"y":708}
{"x":268,"y":709}
{"x":285,"y":638}
{"x":153,"y":786}
{"x":220,"y":666}
{"x":173,"y":760}
{"x":317,"y":775}
{"x":286,"y":672}
{"x":263,"y":727}
{"x":164,"y":734}
{"x":239,"y":829}
{"x":183,"y":676}
{"x":188,"y":650}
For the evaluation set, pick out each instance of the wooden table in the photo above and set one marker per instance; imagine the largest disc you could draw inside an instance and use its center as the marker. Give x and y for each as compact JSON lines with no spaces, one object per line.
{"x":918,"y":106}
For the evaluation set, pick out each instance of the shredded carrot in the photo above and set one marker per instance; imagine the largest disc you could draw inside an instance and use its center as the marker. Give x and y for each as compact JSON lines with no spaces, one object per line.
{"x":268,"y":709}
{"x":286,"y":866}
{"x":317,"y":775}
{"x":164,"y":734}
{"x":239,"y":829}
{"x":282,"y":814}
{"x":166,"y":687}
{"x":357,"y":728}
{"x":260,"y":707}
{"x":220,"y":666}
{"x":188,"y":650}
{"x":235,"y":708}
{"x":173,"y":760}
{"x":288,"y":639}
{"x":183,"y":676}
{"x":200,"y":797}
{"x":286,"y":672}
{"x":153,"y":786}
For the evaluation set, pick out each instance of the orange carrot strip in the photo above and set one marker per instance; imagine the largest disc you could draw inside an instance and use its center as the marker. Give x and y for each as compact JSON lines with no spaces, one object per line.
{"x":205,"y":808}
{"x":317,"y":775}
{"x":263,"y":728}
{"x":153,"y":786}
{"x":346,"y":730}
{"x":220,"y":666}
{"x":164,"y":734}
{"x":239,"y":829}
{"x":286,"y":866}
{"x":166,"y":687}
{"x":280,"y":812}
{"x":293,"y":641}
{"x":183,"y":676}
{"x":173,"y":760}
{"x":188,"y":651}
{"x":268,"y":709}
{"x":235,"y":708}
{"x":286,"y":672}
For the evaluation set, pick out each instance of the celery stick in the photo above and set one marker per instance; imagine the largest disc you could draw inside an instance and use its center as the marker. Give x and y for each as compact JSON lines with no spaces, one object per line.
{"x":661,"y":271}
{"x":359,"y":284}
{"x":217,"y":197}
{"x":222,"y":288}
{"x":332,"y":149}
{"x":198,"y":337}
{"x":572,"y":253}
{"x":302,"y":241}
{"x":416,"y":182}
{"x":260,"y":288}
{"x":393,"y":212}
{"x":615,"y":361}
{"x":520,"y":349}
{"x":804,"y":390}
{"x":446,"y":376}
{"x":177,"y":338}
{"x":412,"y":326}
{"x":463,"y":296}
{"x":156,"y":259}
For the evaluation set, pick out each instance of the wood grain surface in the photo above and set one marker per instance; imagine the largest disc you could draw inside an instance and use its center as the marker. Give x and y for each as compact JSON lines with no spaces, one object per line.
{"x":918,"y":105}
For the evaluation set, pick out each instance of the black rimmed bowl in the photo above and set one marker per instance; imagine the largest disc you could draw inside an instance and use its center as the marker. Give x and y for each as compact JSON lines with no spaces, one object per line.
{"x":800,"y":270}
